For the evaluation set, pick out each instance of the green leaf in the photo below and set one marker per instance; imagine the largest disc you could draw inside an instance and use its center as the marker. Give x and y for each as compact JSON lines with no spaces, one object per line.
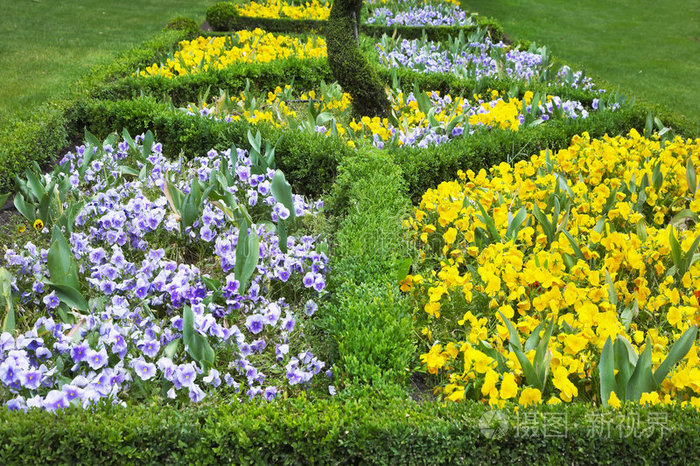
{"x":35,"y":184}
{"x":27,"y":210}
{"x":282,"y":191}
{"x":684,"y":214}
{"x":8,"y":324}
{"x":403,"y":266}
{"x":61,"y":262}
{"x":574,"y":246}
{"x":544,"y":222}
{"x":187,"y":325}
{"x":3,"y":199}
{"x":534,"y":337}
{"x":514,"y":337}
{"x":129,"y":140}
{"x":642,"y":379}
{"x":147,"y":144}
{"x":678,"y":351}
{"x":490,"y":224}
{"x":69,"y":295}
{"x":624,"y":365}
{"x":247,"y":255}
{"x":515,"y":223}
{"x":690,"y":176}
{"x":612,"y":292}
{"x":676,"y":252}
{"x":93,"y":142}
{"x":124,"y":170}
{"x":528,"y":369}
{"x":642,"y":230}
{"x":171,"y":349}
{"x":606,"y":372}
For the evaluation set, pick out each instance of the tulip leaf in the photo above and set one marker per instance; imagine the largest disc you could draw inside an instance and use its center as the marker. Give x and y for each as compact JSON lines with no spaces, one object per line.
{"x":606,"y":372}
{"x":62,"y":266}
{"x":678,"y":351}
{"x":642,"y":379}
{"x":69,"y":295}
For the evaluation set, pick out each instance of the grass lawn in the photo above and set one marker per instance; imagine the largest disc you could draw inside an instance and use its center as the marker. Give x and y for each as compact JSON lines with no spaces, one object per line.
{"x":47,"y":45}
{"x":651,"y":47}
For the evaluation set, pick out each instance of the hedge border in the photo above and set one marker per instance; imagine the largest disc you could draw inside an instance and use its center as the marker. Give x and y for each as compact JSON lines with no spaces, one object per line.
{"x":352,"y":431}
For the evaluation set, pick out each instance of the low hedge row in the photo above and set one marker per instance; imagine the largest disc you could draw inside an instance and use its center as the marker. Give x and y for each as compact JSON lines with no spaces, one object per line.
{"x":369,"y":320}
{"x":36,"y":138}
{"x":350,"y":431}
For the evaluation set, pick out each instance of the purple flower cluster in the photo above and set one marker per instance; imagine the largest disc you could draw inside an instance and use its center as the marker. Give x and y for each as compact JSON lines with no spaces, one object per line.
{"x":471,"y":59}
{"x":440,"y":14}
{"x":129,"y":251}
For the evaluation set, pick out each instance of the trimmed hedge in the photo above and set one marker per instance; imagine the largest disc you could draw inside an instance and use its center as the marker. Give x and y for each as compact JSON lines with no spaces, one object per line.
{"x":353,"y":431}
{"x":37,"y":138}
{"x":369,"y":320}
{"x":349,"y":65}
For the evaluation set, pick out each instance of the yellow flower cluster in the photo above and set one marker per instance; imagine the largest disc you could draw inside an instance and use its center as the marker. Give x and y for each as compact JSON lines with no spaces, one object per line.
{"x":281,"y":9}
{"x":216,"y":53}
{"x":597,"y":239}
{"x":411,"y":118}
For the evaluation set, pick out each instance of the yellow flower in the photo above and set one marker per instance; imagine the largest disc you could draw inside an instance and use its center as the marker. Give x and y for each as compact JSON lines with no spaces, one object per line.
{"x":435,"y":359}
{"x":614,"y":401}
{"x":489,"y":386}
{"x":38,"y":225}
{"x":530,"y":396}
{"x":21,"y":228}
{"x":508,"y":386}
{"x":450,"y":236}
{"x":651,"y":398}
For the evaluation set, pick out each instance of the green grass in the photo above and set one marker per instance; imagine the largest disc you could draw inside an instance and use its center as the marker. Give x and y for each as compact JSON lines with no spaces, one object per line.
{"x":649,"y":47}
{"x":47,"y":45}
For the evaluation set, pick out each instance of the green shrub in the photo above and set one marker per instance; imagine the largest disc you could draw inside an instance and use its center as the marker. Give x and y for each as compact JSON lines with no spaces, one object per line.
{"x":426,"y":168}
{"x":188,"y":26}
{"x":221,"y":16}
{"x":38,"y":138}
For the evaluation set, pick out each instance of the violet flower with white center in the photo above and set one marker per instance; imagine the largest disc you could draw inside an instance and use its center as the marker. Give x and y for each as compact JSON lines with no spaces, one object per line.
{"x":97,"y":359}
{"x":254,"y":323}
{"x":145,"y":370}
{"x":55,"y":400}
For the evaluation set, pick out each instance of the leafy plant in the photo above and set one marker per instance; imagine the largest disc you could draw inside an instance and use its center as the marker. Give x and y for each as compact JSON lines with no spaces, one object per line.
{"x":629,"y":375}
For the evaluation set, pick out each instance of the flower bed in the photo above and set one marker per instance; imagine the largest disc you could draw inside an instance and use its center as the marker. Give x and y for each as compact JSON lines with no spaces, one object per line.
{"x":281,"y":9}
{"x":428,"y":14}
{"x":576,"y":267}
{"x":152,"y":276}
{"x":476,"y":56}
{"x":215,"y":53}
{"x":418,"y":119}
